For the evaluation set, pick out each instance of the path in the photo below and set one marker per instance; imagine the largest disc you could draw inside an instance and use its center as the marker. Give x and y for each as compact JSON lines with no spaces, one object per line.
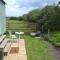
{"x":55,"y":53}
{"x":22,"y":51}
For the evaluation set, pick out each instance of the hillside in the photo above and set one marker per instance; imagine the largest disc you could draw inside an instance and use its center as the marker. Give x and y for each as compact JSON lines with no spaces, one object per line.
{"x":13,"y":25}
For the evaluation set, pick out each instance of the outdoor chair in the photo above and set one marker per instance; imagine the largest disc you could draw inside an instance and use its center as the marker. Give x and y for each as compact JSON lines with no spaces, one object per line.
{"x":12,"y":36}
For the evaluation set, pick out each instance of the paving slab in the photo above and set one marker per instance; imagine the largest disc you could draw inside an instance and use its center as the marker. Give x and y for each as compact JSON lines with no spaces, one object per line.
{"x":22,"y":51}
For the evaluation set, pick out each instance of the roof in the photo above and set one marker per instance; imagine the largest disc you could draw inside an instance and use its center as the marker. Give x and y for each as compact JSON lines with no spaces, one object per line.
{"x":3,"y":1}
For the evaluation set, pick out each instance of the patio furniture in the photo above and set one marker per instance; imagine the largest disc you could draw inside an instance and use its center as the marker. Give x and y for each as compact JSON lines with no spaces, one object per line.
{"x":7,"y":48}
{"x":3,"y":43}
{"x":19,"y":33}
{"x":2,"y":38}
{"x":13,"y":37}
{"x":4,"y":46}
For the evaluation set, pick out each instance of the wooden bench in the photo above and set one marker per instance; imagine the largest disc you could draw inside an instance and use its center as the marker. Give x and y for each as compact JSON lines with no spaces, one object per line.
{"x":3,"y":44}
{"x":7,"y":48}
{"x":2,"y":38}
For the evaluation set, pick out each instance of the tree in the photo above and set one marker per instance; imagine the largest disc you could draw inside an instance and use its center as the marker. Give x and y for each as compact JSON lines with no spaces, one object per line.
{"x":13,"y":18}
{"x":47,"y":18}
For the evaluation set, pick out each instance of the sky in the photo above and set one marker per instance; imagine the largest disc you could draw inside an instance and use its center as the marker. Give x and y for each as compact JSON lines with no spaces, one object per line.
{"x":20,"y":7}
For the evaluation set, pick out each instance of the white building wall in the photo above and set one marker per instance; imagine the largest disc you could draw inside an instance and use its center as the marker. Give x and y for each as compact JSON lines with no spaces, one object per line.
{"x":2,"y":19}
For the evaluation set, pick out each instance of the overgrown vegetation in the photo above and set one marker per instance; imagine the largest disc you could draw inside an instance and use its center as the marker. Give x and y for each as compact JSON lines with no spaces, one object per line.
{"x":55,"y":38}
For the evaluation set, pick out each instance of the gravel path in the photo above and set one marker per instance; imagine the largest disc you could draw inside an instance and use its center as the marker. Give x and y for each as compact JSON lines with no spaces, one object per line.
{"x":55,"y":53}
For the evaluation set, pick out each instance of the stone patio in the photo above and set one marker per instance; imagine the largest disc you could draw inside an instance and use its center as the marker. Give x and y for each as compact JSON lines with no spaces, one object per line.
{"x":21,"y":55}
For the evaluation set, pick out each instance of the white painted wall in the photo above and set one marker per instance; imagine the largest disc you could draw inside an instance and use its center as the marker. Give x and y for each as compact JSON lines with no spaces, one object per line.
{"x":2,"y":18}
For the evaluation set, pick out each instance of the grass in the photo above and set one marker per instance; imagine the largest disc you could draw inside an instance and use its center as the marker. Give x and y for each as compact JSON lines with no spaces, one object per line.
{"x":36,"y":49}
{"x":55,"y":38}
{"x":13,"y":26}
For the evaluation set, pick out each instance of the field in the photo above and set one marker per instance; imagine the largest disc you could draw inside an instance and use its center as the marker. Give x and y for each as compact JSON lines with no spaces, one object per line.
{"x":20,"y":26}
{"x":36,"y":49}
{"x":55,"y":38}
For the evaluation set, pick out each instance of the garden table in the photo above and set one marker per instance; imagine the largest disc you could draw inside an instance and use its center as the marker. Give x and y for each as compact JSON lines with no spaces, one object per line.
{"x":18,"y":33}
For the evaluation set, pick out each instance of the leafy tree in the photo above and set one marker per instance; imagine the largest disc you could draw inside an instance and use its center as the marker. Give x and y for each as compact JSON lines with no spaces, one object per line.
{"x":46,"y":18}
{"x":13,"y":18}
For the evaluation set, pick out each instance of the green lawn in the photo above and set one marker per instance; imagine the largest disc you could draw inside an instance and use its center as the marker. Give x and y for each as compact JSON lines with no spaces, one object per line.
{"x":36,"y":49}
{"x":55,"y":38}
{"x":13,"y":26}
